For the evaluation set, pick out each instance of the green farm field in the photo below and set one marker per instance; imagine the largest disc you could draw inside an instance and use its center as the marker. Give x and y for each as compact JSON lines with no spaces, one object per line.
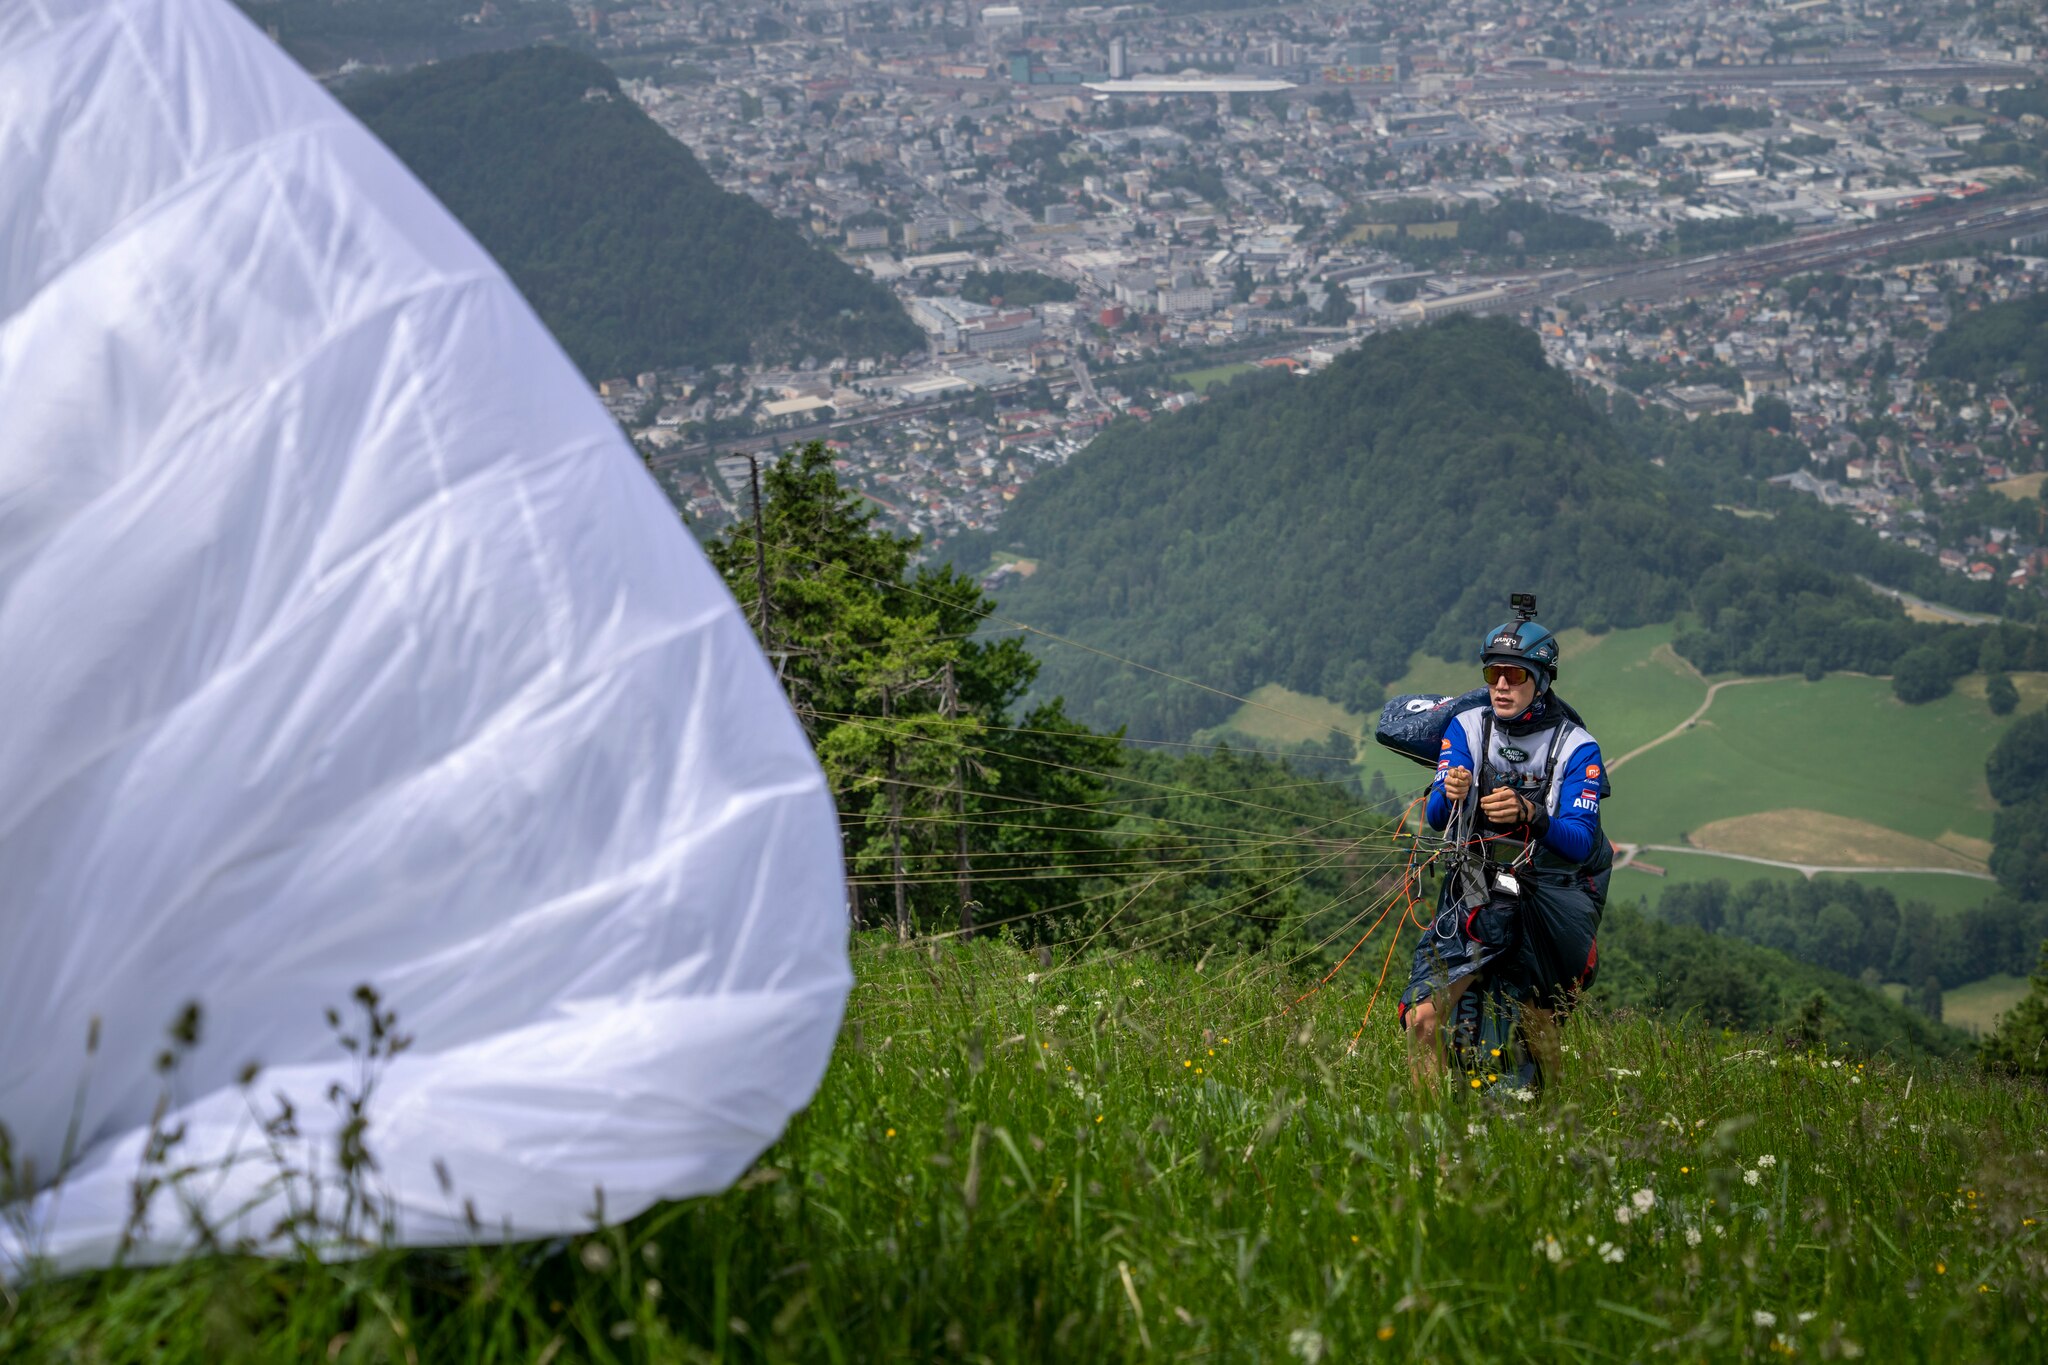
{"x":1201,"y":380}
{"x":1844,"y":745}
{"x":1974,"y":1008}
{"x":1782,"y":749}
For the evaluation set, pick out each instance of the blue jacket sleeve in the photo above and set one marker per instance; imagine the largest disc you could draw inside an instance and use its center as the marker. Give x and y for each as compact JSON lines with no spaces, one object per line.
{"x":1575,"y":828}
{"x":1455,"y":754}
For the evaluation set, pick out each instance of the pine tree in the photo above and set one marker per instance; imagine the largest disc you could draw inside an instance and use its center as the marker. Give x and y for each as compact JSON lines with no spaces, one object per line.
{"x":940,"y":792}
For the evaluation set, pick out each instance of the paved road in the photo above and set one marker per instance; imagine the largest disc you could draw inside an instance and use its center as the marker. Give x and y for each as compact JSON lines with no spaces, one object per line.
{"x":1629,"y":852}
{"x":1961,"y":618}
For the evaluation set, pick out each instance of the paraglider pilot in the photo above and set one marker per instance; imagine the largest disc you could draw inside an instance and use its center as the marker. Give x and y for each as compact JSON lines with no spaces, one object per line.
{"x":1517,"y":791}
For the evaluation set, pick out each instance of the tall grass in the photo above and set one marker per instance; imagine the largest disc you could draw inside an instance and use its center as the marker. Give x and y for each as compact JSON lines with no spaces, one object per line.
{"x":1130,"y":1159}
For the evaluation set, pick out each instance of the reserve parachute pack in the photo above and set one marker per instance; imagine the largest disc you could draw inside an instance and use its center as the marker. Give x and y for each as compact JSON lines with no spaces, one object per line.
{"x":1413,"y":725}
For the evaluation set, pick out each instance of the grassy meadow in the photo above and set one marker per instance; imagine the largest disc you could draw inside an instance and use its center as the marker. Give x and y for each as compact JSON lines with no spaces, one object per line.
{"x":1123,"y":1158}
{"x":1201,"y":380}
{"x":1975,"y":1008}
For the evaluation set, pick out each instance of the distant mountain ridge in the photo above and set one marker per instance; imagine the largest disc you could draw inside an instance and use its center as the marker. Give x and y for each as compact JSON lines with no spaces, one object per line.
{"x":634,"y":257}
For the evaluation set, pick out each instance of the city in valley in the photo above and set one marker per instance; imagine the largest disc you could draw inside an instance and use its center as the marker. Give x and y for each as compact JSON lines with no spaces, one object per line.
{"x":1101,"y":212}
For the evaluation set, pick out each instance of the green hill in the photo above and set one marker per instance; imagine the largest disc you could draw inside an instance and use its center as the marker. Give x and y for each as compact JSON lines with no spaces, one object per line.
{"x":1315,"y":532}
{"x":630,"y":252}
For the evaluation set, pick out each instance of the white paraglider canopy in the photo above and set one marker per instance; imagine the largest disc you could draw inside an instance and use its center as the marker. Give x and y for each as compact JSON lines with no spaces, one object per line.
{"x":345,"y":641}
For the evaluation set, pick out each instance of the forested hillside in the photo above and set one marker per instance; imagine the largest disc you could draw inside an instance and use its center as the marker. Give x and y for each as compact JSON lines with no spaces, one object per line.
{"x":322,"y":34}
{"x":1316,"y":532}
{"x":630,"y":252}
{"x":2003,"y":345}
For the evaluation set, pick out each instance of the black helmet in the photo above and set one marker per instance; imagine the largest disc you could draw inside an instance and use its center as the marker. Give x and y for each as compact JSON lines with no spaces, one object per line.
{"x":1525,"y":643}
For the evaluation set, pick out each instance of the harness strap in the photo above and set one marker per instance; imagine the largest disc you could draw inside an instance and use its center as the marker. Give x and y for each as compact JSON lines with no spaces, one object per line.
{"x":1482,"y":784}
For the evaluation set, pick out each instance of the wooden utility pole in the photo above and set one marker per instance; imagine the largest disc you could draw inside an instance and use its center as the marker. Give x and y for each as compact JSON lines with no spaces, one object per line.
{"x":896,"y":834}
{"x":760,"y":557}
{"x":962,"y":869}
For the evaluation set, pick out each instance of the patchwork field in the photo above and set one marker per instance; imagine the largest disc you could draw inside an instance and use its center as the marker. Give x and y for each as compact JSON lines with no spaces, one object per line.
{"x":1843,"y":746}
{"x":1831,"y":773}
{"x":1817,"y":838}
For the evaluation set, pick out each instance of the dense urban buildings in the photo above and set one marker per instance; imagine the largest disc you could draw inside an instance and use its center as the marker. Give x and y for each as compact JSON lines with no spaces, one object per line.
{"x":1095,"y":212}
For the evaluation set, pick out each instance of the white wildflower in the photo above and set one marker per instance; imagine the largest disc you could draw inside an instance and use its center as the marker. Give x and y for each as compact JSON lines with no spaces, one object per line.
{"x":1766,"y":1161}
{"x":1752,"y":1177}
{"x":1618,"y":1072}
{"x":1720,"y":1231}
{"x":1031,"y":978}
{"x":1611,"y":1253}
{"x":1764,"y":1318}
{"x":1692,"y":1237}
{"x":1802,"y":1318}
{"x":1306,"y":1344}
{"x":1058,"y":1010}
{"x":1622,"y":1214}
{"x":1644,"y":1200}
{"x":1473,"y":1130}
{"x":1549,"y":1248}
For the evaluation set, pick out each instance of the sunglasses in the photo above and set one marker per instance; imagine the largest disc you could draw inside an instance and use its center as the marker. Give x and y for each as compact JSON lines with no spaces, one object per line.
{"x":1507,"y":673}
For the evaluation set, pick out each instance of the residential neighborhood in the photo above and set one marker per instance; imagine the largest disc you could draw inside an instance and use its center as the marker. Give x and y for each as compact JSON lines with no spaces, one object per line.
{"x":1095,"y":213}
